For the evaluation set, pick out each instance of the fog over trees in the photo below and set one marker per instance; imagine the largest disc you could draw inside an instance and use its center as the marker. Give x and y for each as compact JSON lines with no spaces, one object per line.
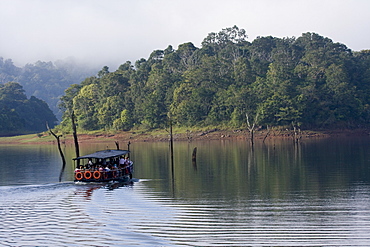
{"x":308,"y":81}
{"x":45,"y":80}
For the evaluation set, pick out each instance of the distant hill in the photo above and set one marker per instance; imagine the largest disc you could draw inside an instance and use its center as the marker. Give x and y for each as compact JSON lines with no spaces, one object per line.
{"x":20,"y":115}
{"x":306,"y":82}
{"x":45,"y":80}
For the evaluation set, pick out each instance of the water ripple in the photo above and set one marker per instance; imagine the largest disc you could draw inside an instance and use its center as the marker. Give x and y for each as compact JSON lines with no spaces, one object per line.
{"x":91,"y":215}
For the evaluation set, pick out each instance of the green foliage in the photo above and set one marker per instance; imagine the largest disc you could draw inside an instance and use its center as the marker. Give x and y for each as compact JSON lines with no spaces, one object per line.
{"x":309,"y":81}
{"x":45,"y":80}
{"x":124,"y":122}
{"x":19,"y":114}
{"x":10,"y":121}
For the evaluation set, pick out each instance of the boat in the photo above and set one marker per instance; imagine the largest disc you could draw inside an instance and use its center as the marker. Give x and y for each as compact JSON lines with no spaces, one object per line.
{"x":104,"y":166}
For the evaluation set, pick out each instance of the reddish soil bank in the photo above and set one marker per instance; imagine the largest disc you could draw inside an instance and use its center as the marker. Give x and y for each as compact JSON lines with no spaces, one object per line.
{"x":213,"y":134}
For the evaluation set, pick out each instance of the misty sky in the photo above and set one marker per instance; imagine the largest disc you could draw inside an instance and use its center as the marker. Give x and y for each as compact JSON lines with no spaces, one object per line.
{"x":110,"y":32}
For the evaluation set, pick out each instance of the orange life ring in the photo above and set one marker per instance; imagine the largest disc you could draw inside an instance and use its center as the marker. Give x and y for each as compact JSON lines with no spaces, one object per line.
{"x":97,"y":175}
{"x":79,"y":175}
{"x":88,"y":175}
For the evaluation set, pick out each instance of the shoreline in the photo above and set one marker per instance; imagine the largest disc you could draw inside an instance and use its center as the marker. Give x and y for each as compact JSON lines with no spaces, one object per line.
{"x":213,"y":134}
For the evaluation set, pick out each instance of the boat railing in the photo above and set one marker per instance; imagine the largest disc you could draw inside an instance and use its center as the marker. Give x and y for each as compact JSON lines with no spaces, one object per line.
{"x":102,"y":173}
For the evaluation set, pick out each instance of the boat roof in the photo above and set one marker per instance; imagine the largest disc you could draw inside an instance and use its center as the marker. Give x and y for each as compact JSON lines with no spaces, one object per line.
{"x":104,"y":154}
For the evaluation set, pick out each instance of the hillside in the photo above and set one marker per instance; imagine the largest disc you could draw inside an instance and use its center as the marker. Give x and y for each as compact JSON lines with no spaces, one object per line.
{"x":19,"y":115}
{"x":45,"y":80}
{"x":308,"y":82}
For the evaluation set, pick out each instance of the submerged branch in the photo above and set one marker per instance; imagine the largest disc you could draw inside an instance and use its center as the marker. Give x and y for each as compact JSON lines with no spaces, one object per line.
{"x":60,"y":151}
{"x":251,"y":127}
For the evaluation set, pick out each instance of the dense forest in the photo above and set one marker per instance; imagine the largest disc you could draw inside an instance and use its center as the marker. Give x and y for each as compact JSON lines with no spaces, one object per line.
{"x":45,"y":80}
{"x":19,"y":115}
{"x":308,"y":81}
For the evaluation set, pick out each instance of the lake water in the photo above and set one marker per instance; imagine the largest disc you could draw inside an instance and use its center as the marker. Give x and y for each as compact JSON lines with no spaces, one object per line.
{"x":316,"y":193}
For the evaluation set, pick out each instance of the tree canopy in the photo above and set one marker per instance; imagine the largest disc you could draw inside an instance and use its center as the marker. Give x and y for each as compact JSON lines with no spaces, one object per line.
{"x":20,"y":115}
{"x":45,"y":80}
{"x":309,"y":80}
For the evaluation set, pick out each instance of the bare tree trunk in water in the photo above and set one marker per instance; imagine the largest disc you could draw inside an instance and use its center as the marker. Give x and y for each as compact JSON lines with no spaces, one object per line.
{"x":267,"y":134}
{"x":296,"y":137}
{"x":60,"y":152}
{"x":74,"y":128}
{"x":194,"y":158}
{"x":171,"y":143}
{"x":251,"y":127}
{"x":128,"y":148}
{"x":171,"y":154}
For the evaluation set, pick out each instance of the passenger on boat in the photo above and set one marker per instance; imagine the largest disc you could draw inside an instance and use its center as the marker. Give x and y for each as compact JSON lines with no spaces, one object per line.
{"x":78,"y":169}
{"x":128,"y":162}
{"x":122,"y":161}
{"x":125,"y":162}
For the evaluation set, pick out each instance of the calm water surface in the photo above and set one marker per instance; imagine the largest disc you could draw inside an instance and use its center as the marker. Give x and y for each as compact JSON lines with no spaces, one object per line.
{"x":278,"y":194}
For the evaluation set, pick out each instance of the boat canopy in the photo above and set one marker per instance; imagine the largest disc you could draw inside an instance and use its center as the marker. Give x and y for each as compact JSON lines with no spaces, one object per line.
{"x":110,"y":153}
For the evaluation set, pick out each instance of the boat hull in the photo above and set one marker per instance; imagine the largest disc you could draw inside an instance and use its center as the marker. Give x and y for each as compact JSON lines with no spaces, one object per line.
{"x":102,"y":176}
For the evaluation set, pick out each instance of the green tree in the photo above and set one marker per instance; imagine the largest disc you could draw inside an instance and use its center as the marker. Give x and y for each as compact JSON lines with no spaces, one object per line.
{"x":12,"y":92}
{"x":280,"y":110}
{"x":104,"y":71}
{"x":124,"y":122}
{"x":109,"y":111}
{"x":84,"y":106}
{"x":10,"y":121}
{"x":19,"y":114}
